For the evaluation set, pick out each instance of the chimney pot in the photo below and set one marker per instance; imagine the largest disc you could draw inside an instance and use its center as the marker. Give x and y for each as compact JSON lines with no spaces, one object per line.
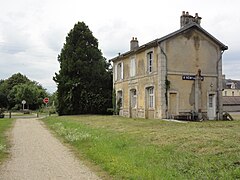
{"x":134,"y":43}
{"x":187,"y":19}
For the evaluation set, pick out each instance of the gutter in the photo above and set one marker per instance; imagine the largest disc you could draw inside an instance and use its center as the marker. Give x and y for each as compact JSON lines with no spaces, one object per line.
{"x":166,"y":80}
{"x":218,"y":84}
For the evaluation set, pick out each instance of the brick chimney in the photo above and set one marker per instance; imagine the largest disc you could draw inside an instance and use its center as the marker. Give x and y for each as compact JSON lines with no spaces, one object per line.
{"x":186,"y":19}
{"x":134,"y":43}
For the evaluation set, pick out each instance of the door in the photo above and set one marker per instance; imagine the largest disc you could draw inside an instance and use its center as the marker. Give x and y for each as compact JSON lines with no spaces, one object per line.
{"x":149,"y":103}
{"x":211,"y":106}
{"x":173,"y":105}
{"x":133,"y":103}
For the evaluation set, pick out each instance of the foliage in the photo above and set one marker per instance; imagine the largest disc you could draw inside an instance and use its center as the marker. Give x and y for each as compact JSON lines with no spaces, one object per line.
{"x":28,"y":92}
{"x":167,"y":86}
{"x":84,"y":81}
{"x":3,"y":100}
{"x":2,"y":113}
{"x":154,"y":149}
{"x":53,"y":99}
{"x":7,"y":85}
{"x":17,"y":88}
{"x":114,"y":103}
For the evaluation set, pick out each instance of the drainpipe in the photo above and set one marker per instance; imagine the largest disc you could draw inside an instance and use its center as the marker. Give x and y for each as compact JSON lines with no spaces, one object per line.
{"x":166,"y":80}
{"x":219,"y":90}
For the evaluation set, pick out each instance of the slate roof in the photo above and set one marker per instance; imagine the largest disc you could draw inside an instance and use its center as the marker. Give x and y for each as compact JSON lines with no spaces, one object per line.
{"x":175,"y":33}
{"x":231,"y":100}
{"x":227,"y":83}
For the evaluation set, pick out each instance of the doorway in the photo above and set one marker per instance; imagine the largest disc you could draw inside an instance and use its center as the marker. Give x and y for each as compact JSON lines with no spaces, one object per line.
{"x":211,"y":106}
{"x":133,"y":103}
{"x":149,"y":103}
{"x":173,"y":104}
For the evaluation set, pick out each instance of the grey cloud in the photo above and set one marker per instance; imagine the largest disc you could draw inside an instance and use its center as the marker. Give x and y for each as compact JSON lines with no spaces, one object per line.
{"x":114,"y":37}
{"x":231,"y":64}
{"x":54,"y":38}
{"x":15,"y":39}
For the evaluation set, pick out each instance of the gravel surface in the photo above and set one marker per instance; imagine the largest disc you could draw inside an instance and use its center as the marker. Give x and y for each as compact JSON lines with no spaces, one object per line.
{"x":36,"y":154}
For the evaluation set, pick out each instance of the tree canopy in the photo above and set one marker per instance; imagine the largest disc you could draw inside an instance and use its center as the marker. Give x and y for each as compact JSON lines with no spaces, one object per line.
{"x":17,"y":88}
{"x":84,"y":81}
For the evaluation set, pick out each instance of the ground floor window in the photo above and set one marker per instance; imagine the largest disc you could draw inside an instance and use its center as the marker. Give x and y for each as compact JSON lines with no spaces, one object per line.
{"x":133,"y":94}
{"x":119,"y":99}
{"x":150,"y":92}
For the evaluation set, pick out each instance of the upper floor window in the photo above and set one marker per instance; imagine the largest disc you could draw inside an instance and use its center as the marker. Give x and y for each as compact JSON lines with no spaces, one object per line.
{"x":150,"y":61}
{"x":132,"y":67}
{"x":225,"y":93}
{"x":119,"y":71}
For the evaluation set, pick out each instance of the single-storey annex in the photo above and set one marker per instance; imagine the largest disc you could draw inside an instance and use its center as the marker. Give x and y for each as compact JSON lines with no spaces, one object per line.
{"x":177,"y":76}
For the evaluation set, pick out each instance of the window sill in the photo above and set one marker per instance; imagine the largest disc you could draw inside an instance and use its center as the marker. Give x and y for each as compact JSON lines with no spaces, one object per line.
{"x":151,"y":109}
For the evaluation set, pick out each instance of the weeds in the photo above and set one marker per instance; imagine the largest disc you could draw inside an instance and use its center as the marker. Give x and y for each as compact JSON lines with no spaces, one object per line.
{"x":71,"y":134}
{"x":5,"y":124}
{"x":2,"y":148}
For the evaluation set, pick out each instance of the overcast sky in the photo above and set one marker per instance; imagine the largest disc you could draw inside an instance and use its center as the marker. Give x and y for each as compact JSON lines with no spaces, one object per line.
{"x":32,"y":32}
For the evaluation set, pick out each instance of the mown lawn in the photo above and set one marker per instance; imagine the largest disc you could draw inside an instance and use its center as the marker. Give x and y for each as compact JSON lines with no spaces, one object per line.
{"x":5,"y":124}
{"x":154,"y":149}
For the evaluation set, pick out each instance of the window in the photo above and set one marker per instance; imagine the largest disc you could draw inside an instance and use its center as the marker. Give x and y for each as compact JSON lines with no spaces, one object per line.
{"x":211,"y":100}
{"x":119,"y":99}
{"x":132,"y":67}
{"x":133,"y":97}
{"x":150,"y":97}
{"x":119,"y":71}
{"x":232,"y":93}
{"x":225,"y":93}
{"x":150,"y":62}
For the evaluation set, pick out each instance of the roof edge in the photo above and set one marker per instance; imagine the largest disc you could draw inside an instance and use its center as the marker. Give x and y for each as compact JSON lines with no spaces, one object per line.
{"x":159,"y":40}
{"x":189,"y":26}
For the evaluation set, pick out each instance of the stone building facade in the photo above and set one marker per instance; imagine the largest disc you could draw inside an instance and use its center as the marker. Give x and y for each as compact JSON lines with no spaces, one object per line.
{"x":231,"y":87}
{"x":231,"y":95}
{"x":177,"y":76}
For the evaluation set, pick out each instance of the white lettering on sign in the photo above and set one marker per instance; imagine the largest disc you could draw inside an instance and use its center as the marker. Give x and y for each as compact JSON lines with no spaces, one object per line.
{"x":191,"y":77}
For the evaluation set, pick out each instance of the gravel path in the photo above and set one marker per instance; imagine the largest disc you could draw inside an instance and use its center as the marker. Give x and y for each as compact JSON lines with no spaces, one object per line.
{"x":36,"y":154}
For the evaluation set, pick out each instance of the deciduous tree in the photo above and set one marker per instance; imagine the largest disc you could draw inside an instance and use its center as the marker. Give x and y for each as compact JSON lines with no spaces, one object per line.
{"x":17,"y":88}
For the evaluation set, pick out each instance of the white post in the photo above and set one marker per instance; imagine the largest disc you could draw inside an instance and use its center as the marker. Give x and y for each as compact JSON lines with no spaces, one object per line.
{"x":23,"y":103}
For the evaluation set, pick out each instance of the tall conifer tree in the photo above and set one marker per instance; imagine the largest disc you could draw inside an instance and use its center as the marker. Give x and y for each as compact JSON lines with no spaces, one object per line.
{"x":84,"y":81}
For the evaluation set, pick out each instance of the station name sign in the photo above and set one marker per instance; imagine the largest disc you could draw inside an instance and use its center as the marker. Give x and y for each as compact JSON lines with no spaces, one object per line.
{"x":191,"y":77}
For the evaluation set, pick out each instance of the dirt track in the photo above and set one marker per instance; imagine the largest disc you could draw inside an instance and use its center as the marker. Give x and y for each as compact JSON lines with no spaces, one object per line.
{"x":36,"y":154}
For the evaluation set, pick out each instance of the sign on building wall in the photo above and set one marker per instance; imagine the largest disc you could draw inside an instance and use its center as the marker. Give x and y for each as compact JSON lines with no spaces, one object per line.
{"x":191,"y":77}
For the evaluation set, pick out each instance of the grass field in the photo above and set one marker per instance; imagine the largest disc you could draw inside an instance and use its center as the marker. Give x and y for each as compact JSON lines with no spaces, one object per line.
{"x":5,"y":124}
{"x":154,"y":149}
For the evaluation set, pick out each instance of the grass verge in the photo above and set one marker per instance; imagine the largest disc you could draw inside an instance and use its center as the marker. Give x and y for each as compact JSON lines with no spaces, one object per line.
{"x":5,"y":124}
{"x":153,"y":149}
